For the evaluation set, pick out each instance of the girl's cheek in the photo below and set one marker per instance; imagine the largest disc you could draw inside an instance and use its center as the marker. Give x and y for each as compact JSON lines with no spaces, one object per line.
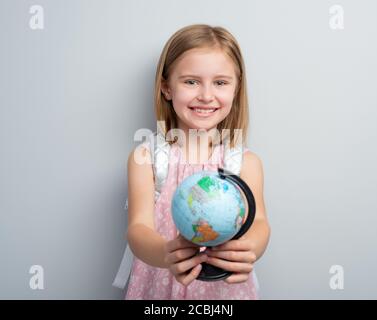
{"x":226,"y":99}
{"x":185,"y":97}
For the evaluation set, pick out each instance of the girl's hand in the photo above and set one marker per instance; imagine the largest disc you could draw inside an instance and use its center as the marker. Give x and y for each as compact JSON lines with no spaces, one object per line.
{"x":181,"y":256}
{"x":234,"y":255}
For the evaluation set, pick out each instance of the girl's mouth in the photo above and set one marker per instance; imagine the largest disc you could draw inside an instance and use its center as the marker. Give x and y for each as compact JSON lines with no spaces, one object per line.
{"x":203,"y":112}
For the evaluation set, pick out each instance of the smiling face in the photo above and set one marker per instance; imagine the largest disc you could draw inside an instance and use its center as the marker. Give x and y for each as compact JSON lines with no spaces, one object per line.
{"x":203,"y":78}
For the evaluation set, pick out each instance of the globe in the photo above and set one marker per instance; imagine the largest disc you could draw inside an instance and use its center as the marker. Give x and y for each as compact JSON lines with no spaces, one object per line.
{"x":207,"y":209}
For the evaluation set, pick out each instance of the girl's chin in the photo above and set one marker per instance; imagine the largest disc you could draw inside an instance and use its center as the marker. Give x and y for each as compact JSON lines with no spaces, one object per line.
{"x":197,"y":124}
{"x":206,"y":126}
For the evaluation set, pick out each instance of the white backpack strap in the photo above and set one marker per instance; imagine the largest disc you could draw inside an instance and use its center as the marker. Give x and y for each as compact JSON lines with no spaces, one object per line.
{"x":124,"y":271}
{"x":159,"y":150}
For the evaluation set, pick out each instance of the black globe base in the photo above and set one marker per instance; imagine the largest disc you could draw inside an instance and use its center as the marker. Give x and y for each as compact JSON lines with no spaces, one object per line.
{"x":212,"y":273}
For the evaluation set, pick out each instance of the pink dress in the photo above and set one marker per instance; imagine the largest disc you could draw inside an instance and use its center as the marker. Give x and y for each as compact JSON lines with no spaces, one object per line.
{"x":150,"y":283}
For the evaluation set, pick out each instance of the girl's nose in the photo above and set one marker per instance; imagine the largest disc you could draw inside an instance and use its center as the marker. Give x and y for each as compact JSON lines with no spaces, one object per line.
{"x":205,"y":94}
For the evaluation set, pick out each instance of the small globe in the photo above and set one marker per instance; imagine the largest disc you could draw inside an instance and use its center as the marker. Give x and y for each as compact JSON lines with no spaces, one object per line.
{"x":208,"y":210}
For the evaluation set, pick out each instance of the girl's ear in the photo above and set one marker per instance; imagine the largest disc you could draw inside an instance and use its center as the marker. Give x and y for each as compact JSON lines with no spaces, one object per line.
{"x":165,"y":89}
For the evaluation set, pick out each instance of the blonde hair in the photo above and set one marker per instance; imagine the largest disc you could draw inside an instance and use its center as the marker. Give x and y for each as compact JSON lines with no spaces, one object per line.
{"x":203,"y":36}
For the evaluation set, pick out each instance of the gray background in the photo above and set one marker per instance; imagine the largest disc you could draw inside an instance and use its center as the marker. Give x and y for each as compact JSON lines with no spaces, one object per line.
{"x":72,"y":96}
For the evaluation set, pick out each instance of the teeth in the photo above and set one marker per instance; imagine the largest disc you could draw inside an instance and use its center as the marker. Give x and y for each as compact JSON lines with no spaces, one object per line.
{"x":204,"y":110}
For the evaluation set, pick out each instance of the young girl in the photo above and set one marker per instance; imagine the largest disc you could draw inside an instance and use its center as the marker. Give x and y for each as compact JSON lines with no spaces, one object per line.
{"x":200,"y":84}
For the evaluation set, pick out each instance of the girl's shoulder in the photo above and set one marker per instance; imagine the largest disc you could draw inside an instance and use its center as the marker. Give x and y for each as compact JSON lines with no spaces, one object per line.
{"x":250,"y":159}
{"x":252,"y":166}
{"x":141,"y":154}
{"x":153,"y":145}
{"x":250,"y":156}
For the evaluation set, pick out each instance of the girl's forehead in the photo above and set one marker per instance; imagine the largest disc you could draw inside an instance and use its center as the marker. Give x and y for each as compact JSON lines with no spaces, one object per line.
{"x":195,"y":55}
{"x":204,"y":60}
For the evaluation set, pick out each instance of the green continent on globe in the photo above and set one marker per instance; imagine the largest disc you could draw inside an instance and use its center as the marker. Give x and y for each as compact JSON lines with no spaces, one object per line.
{"x":206,"y":189}
{"x":203,"y":232}
{"x":209,"y":186}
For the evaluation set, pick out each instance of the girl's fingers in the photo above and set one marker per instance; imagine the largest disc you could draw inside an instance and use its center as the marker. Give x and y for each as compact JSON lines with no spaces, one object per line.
{"x":237,"y":256}
{"x":186,"y":265}
{"x":237,"y":278}
{"x":237,"y":245}
{"x":181,"y":254}
{"x":187,"y":279}
{"x":230,"y":265}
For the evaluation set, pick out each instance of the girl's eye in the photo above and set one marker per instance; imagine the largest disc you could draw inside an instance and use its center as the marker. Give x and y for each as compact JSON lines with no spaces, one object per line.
{"x":220,"y":82}
{"x":190,"y":81}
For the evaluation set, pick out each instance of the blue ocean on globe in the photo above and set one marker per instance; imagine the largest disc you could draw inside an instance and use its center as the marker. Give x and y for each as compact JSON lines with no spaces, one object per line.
{"x":207,"y":210}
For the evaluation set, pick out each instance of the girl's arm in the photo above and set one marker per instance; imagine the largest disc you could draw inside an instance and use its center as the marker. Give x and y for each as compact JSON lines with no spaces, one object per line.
{"x":252,"y":174}
{"x":144,"y":241}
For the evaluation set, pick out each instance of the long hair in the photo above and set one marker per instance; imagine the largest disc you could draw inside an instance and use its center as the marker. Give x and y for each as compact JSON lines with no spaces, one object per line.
{"x":203,"y":36}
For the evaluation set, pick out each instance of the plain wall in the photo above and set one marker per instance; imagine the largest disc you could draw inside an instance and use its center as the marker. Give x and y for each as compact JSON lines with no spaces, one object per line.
{"x":73,"y":94}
